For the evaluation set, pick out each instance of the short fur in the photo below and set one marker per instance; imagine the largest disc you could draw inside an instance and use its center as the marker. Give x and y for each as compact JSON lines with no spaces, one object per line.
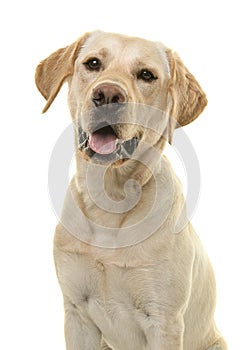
{"x":159,"y":293}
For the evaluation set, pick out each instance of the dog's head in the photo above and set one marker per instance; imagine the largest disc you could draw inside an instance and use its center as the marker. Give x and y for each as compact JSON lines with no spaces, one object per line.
{"x":122,"y":91}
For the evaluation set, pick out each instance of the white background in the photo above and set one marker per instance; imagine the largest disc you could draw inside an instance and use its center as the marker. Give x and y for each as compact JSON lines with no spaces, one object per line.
{"x":212,"y":39}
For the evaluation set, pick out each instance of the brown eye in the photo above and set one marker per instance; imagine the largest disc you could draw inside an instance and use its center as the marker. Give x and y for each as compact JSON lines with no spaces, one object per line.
{"x":93,"y":64}
{"x":146,"y":75}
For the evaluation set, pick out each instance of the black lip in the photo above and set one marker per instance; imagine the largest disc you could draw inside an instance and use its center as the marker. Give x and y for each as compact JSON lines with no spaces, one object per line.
{"x":124,"y":150}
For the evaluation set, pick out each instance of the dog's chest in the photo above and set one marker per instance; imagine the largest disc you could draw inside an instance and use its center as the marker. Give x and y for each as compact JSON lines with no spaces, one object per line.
{"x":120,"y":300}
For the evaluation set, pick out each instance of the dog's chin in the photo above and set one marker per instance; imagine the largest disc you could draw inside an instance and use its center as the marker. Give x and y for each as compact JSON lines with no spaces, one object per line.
{"x":104,"y":147}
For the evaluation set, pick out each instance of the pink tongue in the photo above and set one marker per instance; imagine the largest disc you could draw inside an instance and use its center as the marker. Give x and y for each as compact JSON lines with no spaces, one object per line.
{"x":102,"y":143}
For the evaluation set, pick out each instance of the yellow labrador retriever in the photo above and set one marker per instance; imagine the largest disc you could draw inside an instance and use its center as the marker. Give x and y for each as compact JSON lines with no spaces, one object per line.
{"x":133,"y":273}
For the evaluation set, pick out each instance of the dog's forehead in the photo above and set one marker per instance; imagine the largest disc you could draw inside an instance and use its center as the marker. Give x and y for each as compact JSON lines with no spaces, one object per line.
{"x":129,"y":48}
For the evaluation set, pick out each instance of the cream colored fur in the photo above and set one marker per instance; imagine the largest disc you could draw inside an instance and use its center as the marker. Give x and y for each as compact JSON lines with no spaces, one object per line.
{"x":159,"y":293}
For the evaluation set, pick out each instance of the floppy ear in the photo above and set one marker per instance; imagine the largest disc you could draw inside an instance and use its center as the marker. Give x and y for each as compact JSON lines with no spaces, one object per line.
{"x":187,"y":97}
{"x":52,"y":72}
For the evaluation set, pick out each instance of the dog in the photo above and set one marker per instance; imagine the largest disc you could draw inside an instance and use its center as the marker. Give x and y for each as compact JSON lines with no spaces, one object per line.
{"x":132,"y":271}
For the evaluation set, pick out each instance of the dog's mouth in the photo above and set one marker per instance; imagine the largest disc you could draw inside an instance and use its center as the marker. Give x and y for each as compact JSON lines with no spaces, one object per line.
{"x":103,"y":145}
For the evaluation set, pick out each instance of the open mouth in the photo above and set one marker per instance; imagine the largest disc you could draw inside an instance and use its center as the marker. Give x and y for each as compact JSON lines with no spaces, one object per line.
{"x":104,"y":144}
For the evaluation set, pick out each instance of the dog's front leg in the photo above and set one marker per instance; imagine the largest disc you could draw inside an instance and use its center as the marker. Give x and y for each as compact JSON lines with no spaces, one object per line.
{"x":167,"y":335}
{"x":80,"y":331}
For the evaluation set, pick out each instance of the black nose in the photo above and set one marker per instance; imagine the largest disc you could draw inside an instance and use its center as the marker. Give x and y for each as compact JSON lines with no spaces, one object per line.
{"x":108,"y":93}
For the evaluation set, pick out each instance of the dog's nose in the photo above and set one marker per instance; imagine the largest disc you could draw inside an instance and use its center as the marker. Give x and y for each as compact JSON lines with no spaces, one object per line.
{"x":108,"y":93}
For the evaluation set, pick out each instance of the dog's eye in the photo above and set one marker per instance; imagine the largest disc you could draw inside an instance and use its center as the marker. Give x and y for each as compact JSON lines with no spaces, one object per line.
{"x":93,"y":64}
{"x":146,"y":75}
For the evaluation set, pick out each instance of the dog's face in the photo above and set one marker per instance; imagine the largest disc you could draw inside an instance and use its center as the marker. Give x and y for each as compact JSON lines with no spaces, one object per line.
{"x":122,"y":91}
{"x":114,"y":78}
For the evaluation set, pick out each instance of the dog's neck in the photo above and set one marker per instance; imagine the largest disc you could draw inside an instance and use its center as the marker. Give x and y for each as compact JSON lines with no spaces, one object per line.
{"x":114,"y":197}
{"x":112,"y":193}
{"x":115,"y":181}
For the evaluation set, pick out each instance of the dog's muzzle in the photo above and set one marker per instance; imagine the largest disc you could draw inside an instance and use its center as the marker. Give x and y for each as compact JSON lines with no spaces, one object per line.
{"x":102,"y":142}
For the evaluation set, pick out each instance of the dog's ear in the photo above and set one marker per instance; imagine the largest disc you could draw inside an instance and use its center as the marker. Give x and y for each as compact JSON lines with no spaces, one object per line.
{"x":52,"y":72}
{"x":187,"y":97}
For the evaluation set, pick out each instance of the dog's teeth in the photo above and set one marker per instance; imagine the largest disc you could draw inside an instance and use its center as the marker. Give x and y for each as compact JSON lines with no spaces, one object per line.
{"x":82,"y":138}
